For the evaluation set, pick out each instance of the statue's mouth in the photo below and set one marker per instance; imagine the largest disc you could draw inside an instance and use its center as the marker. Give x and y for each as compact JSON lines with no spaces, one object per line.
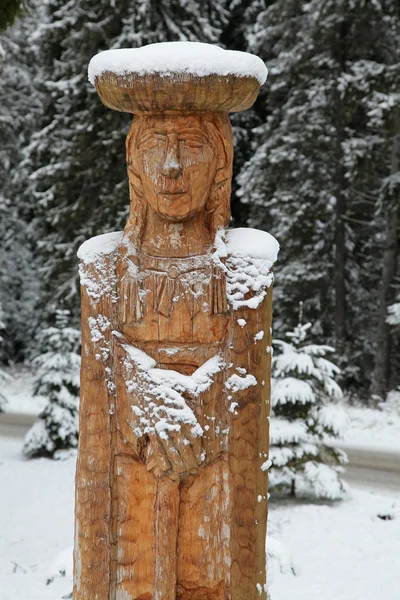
{"x":178,"y":193}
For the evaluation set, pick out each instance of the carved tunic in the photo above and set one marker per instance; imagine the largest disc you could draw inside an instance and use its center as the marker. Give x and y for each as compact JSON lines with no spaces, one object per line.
{"x":141,"y":486}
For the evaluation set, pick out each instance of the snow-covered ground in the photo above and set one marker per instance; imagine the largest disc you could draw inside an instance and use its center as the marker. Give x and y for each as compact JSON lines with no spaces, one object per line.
{"x":19,"y":392}
{"x":374,"y":429}
{"x":36,"y":523}
{"x":340,"y":552}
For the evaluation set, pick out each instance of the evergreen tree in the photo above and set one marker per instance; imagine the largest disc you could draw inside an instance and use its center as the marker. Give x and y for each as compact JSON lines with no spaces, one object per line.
{"x":305,"y":419}
{"x":75,"y":161}
{"x":3,"y":376}
{"x":8,"y":11}
{"x":320,"y":161}
{"x":56,"y":429}
{"x":19,"y":109}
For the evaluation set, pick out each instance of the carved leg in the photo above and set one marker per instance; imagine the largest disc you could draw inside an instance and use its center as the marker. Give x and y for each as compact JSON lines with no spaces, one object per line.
{"x":203,"y":541}
{"x":133,"y":525}
{"x":166,"y":535}
{"x":146,"y":525}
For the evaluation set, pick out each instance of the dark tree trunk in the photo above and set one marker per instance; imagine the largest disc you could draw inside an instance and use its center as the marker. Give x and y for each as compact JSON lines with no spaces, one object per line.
{"x":381,"y":374}
{"x":341,"y":204}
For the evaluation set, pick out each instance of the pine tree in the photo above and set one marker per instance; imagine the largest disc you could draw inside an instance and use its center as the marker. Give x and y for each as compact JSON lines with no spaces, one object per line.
{"x":75,"y":160}
{"x":8,"y":11}
{"x":56,"y":429}
{"x":18,"y":268}
{"x":292,"y":182}
{"x":320,"y":160}
{"x":305,"y":418}
{"x":3,"y":376}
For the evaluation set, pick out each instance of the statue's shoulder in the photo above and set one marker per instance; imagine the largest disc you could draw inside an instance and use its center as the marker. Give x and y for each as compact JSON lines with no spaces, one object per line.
{"x":97,"y":248}
{"x":98,"y":257}
{"x":248,"y":256}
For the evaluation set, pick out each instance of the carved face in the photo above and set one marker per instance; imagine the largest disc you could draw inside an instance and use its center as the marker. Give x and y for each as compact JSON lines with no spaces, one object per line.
{"x":176,"y":162}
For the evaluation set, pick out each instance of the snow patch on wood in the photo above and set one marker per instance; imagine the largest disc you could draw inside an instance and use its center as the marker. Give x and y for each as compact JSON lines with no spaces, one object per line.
{"x":160,"y":405}
{"x":247,"y":257}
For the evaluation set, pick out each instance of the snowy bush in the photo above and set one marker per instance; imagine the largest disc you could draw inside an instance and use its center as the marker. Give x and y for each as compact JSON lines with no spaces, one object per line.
{"x":56,"y":429}
{"x":305,"y":418}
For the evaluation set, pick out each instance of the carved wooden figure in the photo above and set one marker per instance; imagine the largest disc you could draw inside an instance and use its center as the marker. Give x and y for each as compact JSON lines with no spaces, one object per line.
{"x":171,"y":483}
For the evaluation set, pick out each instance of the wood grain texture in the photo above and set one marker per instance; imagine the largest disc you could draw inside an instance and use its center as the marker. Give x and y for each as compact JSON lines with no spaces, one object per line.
{"x":166,"y":514}
{"x":184,"y":93}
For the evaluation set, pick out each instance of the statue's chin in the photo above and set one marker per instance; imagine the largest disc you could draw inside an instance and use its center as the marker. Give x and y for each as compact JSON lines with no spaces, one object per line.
{"x":175,"y":207}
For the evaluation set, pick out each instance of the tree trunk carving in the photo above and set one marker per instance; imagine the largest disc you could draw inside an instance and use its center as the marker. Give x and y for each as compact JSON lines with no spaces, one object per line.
{"x":171,"y":485}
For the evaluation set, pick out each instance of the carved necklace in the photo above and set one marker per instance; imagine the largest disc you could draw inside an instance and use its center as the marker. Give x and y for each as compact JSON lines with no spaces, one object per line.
{"x":201,"y":287}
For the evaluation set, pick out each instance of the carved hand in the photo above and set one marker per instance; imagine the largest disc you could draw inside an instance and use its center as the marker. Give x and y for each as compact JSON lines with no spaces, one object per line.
{"x":155,"y":413}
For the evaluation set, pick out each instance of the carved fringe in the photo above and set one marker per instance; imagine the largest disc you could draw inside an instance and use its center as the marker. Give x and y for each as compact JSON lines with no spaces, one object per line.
{"x":130,"y":307}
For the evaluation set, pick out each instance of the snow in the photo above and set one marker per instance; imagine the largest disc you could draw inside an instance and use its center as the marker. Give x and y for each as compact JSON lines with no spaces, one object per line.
{"x":292,"y":390}
{"x":36,"y":524}
{"x":19,"y":392}
{"x":284,"y":431}
{"x":94,"y":252}
{"x":235,"y":383}
{"x":252,"y":242}
{"x":160,"y":405}
{"x":339,"y":552}
{"x":373,"y":428}
{"x":246,"y":256}
{"x":342,"y":551}
{"x":100,"y":245}
{"x":167,"y":58}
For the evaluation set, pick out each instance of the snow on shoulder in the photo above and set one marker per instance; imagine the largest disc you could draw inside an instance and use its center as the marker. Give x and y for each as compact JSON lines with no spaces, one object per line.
{"x":95,"y":271}
{"x":167,"y":58}
{"x":247,"y":257}
{"x":253,"y":243}
{"x":91,"y":250}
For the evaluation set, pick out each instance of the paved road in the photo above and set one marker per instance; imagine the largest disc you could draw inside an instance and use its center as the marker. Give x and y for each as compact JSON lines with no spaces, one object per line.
{"x":366,"y":467}
{"x":15,"y":425}
{"x":376,"y":468}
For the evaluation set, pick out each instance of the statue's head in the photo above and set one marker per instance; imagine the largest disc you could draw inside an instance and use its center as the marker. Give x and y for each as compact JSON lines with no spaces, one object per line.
{"x":180,"y":166}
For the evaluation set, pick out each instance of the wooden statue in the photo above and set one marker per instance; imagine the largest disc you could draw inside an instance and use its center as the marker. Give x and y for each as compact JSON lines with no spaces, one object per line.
{"x":171,"y":483}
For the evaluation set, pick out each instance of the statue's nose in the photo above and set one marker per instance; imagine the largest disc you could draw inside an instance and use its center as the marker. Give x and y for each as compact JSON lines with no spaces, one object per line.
{"x":172,"y":167}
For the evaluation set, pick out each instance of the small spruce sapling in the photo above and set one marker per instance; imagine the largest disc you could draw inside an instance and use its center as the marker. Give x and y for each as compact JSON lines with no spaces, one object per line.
{"x":305,"y":418}
{"x":56,"y":429}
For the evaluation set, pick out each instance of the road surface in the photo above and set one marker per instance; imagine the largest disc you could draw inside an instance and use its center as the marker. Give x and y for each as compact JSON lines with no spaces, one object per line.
{"x":369,"y":467}
{"x":373,"y":467}
{"x":15,"y":424}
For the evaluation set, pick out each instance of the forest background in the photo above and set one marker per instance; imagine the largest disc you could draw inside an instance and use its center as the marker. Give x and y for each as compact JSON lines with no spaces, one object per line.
{"x":317,"y":161}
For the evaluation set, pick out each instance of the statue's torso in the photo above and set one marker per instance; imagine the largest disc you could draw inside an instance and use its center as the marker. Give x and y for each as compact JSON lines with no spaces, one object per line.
{"x":170,"y":309}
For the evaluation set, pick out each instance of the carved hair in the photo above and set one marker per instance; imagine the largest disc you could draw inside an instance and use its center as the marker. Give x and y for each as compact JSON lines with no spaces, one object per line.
{"x":219,"y":131}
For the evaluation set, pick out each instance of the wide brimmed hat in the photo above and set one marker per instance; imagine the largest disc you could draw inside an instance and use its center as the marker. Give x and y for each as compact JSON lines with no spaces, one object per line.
{"x":177,"y":77}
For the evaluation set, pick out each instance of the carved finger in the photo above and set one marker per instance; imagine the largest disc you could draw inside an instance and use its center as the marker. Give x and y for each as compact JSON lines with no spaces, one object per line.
{"x":184,"y":447}
{"x":155,"y":457}
{"x":177,"y":464}
{"x":196,"y":444}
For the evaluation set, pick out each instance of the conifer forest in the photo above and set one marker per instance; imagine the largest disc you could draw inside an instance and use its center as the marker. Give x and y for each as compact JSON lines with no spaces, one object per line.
{"x":316,"y":165}
{"x":316,"y":161}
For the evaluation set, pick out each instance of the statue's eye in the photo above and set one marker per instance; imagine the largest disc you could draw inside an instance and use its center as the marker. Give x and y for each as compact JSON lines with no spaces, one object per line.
{"x":193,"y":143}
{"x":151,"y":140}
